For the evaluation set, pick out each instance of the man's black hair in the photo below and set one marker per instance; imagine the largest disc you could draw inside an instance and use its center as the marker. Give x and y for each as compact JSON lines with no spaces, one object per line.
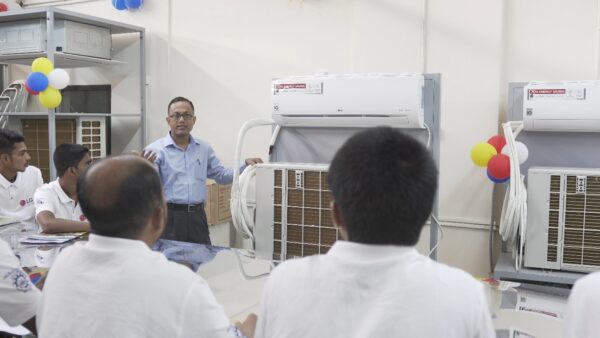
{"x":68,"y":155}
{"x":384,"y":183}
{"x":8,"y":138}
{"x":122,"y":204}
{"x":179,"y":99}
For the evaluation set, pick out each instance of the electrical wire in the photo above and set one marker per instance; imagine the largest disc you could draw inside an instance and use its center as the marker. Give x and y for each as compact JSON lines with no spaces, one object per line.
{"x":513,"y":220}
{"x":439,"y":226}
{"x":243,"y":271}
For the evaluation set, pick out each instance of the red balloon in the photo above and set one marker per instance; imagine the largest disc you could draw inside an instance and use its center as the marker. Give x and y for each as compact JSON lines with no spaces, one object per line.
{"x":497,"y":142}
{"x":499,"y":167}
{"x":3,"y":7}
{"x":30,"y":91}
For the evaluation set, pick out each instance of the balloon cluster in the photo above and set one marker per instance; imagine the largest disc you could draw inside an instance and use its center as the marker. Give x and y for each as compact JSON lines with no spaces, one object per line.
{"x":46,"y":81}
{"x":493,"y":154}
{"x":127,"y":4}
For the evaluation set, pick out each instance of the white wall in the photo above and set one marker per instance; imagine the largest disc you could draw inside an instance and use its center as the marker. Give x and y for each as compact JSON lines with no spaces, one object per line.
{"x":223,"y":53}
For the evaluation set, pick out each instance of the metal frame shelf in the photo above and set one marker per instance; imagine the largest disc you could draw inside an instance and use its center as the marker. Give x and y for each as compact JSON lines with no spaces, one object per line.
{"x":64,"y":60}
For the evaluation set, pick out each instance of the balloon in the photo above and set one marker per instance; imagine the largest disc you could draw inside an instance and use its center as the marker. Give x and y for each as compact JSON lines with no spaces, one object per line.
{"x":498,"y":142}
{"x":37,"y":81}
{"x":499,"y":167}
{"x":50,"y":98}
{"x":3,"y":7}
{"x":522,"y":151}
{"x":133,"y":4}
{"x":30,"y":91}
{"x":42,"y":65}
{"x":495,"y":180}
{"x":119,"y":4}
{"x":59,"y":78}
{"x":481,"y":153}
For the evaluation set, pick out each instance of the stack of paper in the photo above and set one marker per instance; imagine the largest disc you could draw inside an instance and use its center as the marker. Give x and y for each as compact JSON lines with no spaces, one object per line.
{"x":48,"y":239}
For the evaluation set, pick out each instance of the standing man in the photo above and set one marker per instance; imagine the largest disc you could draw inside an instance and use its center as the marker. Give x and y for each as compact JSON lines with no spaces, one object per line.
{"x":184,"y":163}
{"x":18,"y":180}
{"x":56,"y":206}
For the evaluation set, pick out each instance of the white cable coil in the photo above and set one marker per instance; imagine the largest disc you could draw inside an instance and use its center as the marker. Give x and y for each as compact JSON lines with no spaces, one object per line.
{"x":513,"y":221}
{"x":242,"y":219}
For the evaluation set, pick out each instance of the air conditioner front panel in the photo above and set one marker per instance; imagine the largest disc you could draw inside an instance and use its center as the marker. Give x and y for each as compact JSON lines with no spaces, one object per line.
{"x":570,"y":106}
{"x":350,"y":100}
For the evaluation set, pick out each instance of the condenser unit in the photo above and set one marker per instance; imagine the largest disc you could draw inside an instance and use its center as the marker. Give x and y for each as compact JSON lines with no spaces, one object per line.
{"x":92,"y":135}
{"x":563,"y":221}
{"x":356,"y":100}
{"x":292,"y":211}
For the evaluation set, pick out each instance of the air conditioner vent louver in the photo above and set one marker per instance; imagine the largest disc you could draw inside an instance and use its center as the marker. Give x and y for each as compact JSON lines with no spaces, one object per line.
{"x":301,"y":219}
{"x":564,"y":219}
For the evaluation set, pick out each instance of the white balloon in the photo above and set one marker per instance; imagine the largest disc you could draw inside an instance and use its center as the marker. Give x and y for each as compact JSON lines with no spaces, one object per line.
{"x":522,"y":151}
{"x":58,"y":78}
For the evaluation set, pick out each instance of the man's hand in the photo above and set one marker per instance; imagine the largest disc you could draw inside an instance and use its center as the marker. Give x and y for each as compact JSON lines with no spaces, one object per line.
{"x":147,"y":154}
{"x":248,"y":326}
{"x":251,"y":161}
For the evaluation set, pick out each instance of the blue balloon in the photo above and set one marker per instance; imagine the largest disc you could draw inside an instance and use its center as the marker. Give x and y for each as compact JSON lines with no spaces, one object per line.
{"x":119,"y":4}
{"x":134,"y":4}
{"x":495,"y":180}
{"x":37,"y":82}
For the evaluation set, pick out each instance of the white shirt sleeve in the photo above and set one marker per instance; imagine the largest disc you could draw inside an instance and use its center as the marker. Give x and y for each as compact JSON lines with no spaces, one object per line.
{"x":582,"y":310}
{"x":40,"y":180}
{"x":19,"y":298}
{"x":202,"y":315}
{"x":43,"y":200}
{"x":483,"y":327}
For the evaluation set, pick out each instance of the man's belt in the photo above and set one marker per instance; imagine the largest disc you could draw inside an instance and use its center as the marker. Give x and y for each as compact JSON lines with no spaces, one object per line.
{"x":185,"y":207}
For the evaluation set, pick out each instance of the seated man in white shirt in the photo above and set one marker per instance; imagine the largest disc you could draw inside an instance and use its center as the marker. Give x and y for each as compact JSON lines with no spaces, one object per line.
{"x":56,"y":206}
{"x":18,"y":179}
{"x":114,"y":285}
{"x":19,"y":298}
{"x":374,"y":283}
{"x":581,"y":320}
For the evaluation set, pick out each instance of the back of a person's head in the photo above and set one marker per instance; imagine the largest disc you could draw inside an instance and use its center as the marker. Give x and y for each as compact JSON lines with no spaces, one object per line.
{"x":68,"y":155}
{"x":384,"y":183}
{"x":119,"y":195}
{"x":8,"y":138}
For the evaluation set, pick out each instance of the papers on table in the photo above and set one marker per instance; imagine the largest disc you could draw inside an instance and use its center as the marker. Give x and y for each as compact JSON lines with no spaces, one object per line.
{"x":38,"y":239}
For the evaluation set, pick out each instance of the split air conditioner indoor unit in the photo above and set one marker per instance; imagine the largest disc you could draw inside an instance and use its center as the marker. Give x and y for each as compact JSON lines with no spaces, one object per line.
{"x":362,"y":100}
{"x":569,"y":106}
{"x":292,"y":211}
{"x":563,"y":219}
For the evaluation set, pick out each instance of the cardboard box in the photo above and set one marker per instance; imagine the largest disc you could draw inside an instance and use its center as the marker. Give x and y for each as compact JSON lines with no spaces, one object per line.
{"x":216,"y":205}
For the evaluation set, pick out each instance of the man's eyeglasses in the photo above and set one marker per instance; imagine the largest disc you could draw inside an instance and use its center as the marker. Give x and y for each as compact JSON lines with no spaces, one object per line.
{"x":185,"y":117}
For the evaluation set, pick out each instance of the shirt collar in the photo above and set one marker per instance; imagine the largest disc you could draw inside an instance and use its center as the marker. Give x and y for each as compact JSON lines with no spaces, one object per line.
{"x":62,"y":195}
{"x":369,"y":252}
{"x":4,"y":182}
{"x":170,"y":142}
{"x":115,"y":243}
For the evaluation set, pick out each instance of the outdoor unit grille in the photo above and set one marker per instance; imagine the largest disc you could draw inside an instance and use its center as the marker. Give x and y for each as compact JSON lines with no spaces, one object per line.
{"x":92,"y":135}
{"x":293,"y":215}
{"x":563,"y":224}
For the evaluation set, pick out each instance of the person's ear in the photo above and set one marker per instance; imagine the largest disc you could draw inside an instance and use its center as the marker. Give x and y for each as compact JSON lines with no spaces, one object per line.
{"x":338,"y":219}
{"x":5,"y":158}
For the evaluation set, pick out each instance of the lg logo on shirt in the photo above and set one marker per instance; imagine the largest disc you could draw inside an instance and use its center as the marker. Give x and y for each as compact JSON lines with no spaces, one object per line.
{"x":82,"y":218}
{"x":28,"y":201}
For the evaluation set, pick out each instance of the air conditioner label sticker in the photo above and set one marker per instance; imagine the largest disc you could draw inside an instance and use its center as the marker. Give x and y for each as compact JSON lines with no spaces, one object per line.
{"x":298,"y":88}
{"x":556,"y":94}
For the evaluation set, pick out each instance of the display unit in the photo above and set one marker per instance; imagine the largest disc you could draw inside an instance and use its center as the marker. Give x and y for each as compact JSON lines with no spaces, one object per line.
{"x":66,"y":60}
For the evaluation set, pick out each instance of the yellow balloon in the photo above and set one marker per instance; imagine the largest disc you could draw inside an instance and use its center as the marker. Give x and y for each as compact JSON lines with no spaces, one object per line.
{"x":481,"y":153}
{"x":50,"y":98}
{"x":42,"y":65}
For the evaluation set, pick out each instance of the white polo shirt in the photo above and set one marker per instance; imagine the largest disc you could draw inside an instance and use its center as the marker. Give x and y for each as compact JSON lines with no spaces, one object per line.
{"x":358,"y":290}
{"x":115,"y":287}
{"x":16,"y":198}
{"x":19,"y":298}
{"x":581,"y":320}
{"x":51,"y":197}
